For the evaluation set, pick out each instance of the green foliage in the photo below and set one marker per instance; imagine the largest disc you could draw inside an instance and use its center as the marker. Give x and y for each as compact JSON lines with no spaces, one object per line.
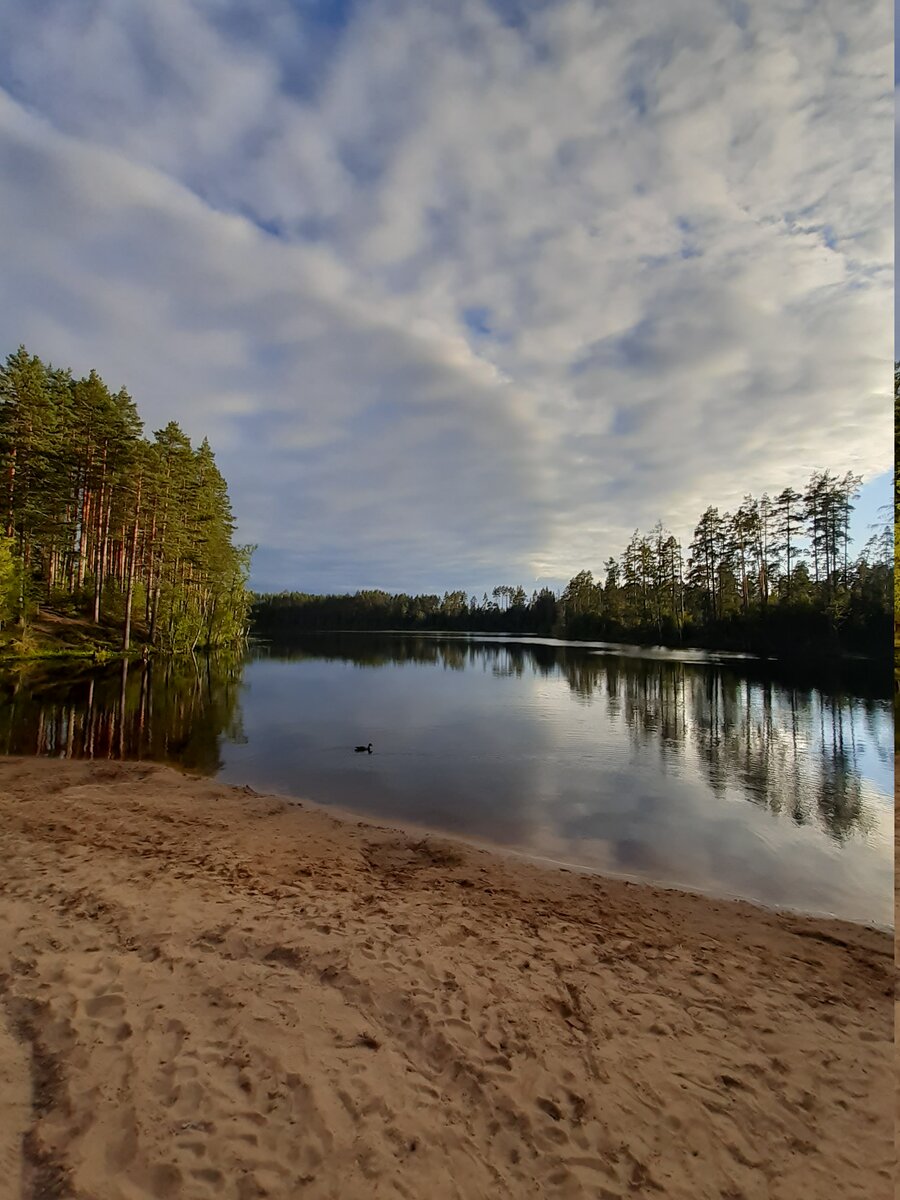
{"x":10,"y":581}
{"x":106,"y":523}
{"x":745,"y":583}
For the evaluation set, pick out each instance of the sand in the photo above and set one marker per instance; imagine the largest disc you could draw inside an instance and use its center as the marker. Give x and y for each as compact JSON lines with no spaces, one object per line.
{"x":208,"y":993}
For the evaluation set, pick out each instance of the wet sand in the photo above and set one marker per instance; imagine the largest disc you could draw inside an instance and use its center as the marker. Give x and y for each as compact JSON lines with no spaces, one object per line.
{"x":208,"y":993}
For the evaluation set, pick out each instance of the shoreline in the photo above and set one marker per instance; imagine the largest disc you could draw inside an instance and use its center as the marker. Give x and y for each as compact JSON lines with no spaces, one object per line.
{"x":51,"y":635}
{"x":206,"y":991}
{"x":542,"y":861}
{"x":809,"y":657}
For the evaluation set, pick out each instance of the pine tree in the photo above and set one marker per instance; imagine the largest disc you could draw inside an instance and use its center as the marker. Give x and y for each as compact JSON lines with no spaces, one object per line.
{"x":788,"y":525}
{"x":95,"y":514}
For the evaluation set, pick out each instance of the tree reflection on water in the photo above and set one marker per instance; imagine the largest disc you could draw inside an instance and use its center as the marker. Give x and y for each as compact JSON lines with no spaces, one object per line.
{"x":795,"y":750}
{"x":172,"y":710}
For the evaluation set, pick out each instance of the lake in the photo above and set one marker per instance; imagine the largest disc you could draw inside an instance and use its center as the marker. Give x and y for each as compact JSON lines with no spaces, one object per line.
{"x":712,"y":772}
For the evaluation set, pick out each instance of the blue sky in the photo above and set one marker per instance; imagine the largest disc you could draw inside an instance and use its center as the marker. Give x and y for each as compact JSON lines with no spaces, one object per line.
{"x":874,"y":498}
{"x":462,"y":294}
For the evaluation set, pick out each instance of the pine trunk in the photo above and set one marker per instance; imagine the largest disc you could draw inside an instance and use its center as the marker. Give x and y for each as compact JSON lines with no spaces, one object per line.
{"x":132,"y":565}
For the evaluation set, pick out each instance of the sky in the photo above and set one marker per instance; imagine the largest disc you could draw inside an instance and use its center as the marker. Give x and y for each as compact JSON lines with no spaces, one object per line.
{"x":462,"y":294}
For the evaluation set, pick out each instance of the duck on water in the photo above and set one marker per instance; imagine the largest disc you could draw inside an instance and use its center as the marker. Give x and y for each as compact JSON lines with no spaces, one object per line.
{"x":363,"y":749}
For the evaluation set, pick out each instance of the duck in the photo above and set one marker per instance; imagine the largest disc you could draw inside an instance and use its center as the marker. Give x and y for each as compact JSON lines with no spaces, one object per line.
{"x":363,"y":749}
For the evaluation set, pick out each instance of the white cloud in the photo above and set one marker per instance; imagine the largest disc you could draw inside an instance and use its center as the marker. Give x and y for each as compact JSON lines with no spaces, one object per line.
{"x":675,"y":226}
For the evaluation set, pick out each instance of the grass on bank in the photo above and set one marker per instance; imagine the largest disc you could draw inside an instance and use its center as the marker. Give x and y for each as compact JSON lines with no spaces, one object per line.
{"x":52,"y":634}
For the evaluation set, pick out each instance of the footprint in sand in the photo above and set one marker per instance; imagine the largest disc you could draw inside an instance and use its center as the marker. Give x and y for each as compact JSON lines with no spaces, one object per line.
{"x":108,"y":1006}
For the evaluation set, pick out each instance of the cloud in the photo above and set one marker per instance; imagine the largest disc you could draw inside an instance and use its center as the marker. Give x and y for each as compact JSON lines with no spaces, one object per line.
{"x":461,"y":294}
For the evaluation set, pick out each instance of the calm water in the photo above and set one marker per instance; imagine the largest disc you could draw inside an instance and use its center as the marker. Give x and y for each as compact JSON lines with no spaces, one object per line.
{"x":675,"y":767}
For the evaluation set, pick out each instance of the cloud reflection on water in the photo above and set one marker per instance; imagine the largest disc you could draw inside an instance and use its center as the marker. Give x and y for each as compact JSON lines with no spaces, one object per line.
{"x":718,"y":775}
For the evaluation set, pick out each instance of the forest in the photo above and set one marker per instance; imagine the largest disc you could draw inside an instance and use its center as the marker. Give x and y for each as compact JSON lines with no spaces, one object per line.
{"x":774,"y":576}
{"x":136,"y":534}
{"x":98,"y":521}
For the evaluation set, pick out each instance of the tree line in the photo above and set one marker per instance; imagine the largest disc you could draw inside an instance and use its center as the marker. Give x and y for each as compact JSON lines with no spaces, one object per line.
{"x":101,"y":521}
{"x":776,"y":574}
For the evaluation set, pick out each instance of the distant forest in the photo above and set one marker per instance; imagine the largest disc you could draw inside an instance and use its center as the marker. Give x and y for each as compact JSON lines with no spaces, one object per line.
{"x":96,"y":520}
{"x":776,"y":575}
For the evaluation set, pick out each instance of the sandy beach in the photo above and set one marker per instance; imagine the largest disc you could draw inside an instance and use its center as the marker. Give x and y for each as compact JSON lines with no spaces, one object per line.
{"x":209,"y":993}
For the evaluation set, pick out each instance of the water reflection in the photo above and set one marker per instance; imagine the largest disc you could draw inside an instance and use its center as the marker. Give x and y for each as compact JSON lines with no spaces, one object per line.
{"x":790,"y":749}
{"x":170,"y":710}
{"x":711,"y":773}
